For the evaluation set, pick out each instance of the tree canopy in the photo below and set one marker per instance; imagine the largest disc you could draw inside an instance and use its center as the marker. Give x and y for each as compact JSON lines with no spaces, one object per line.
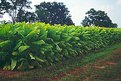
{"x":12,"y":7}
{"x":97,"y":18}
{"x":53,"y":13}
{"x":24,"y":16}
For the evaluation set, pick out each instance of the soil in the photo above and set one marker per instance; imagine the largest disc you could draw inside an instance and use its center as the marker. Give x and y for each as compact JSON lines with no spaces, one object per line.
{"x":7,"y":74}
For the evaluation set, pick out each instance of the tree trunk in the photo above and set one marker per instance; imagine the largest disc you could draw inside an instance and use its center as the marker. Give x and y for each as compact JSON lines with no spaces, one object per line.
{"x":13,"y":20}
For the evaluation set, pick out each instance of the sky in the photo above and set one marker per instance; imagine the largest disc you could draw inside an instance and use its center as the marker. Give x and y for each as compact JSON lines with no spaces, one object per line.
{"x":78,"y":8}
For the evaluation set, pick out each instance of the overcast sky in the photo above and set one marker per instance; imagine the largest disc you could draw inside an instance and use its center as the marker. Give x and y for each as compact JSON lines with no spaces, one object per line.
{"x":78,"y":8}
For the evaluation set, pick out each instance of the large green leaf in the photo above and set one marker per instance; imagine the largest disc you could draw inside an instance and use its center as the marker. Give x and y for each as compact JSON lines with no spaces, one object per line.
{"x":58,"y":48}
{"x":13,"y":64}
{"x":40,"y":42}
{"x":32,"y":34}
{"x":4,"y":43}
{"x":31,"y":56}
{"x":18,"y":45}
{"x":39,"y":59}
{"x":23,"y":48}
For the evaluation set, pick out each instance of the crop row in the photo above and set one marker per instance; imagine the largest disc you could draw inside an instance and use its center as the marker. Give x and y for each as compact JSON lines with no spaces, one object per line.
{"x":24,"y":46}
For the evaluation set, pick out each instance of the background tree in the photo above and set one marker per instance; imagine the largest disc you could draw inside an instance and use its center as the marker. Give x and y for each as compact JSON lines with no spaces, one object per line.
{"x":13,"y":6}
{"x":98,"y":18}
{"x":53,"y":13}
{"x":24,"y":16}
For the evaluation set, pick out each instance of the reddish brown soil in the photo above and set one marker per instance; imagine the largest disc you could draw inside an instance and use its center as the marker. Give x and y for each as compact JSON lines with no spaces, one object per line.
{"x":74,"y":71}
{"x":7,"y":74}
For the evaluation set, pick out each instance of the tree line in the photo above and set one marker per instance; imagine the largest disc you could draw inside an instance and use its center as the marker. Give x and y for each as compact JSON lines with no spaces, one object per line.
{"x":52,"y":13}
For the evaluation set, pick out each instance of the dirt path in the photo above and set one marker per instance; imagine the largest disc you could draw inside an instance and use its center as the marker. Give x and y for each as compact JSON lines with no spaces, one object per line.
{"x":99,"y":64}
{"x":8,"y":74}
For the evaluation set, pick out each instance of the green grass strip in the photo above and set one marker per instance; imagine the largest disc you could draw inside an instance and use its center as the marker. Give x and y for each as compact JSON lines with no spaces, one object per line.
{"x":91,"y":57}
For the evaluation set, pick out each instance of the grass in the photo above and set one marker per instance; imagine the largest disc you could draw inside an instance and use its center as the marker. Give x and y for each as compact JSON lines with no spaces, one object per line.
{"x":100,"y":70}
{"x":52,"y":72}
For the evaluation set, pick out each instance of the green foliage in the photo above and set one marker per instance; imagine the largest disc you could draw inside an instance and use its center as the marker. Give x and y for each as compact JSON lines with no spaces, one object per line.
{"x":13,"y":7}
{"x":25,"y":16}
{"x":53,"y":13}
{"x":23,"y":46}
{"x":98,"y":18}
{"x":13,"y":64}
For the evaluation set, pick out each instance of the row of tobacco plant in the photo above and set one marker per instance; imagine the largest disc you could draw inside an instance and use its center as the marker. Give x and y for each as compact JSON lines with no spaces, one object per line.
{"x":24,"y":46}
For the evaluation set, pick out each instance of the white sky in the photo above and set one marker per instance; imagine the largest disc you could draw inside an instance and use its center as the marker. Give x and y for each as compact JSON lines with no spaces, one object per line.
{"x":78,"y":8}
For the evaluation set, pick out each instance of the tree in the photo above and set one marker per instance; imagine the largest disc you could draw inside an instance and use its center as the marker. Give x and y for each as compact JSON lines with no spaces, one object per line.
{"x":23,"y":16}
{"x":53,"y":13}
{"x":13,"y":6}
{"x":97,"y":18}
